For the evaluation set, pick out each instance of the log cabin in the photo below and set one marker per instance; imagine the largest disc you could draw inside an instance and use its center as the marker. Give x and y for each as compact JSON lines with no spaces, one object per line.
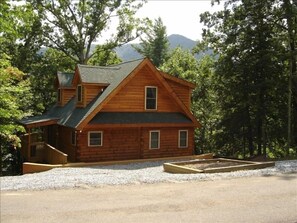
{"x":120,"y":112}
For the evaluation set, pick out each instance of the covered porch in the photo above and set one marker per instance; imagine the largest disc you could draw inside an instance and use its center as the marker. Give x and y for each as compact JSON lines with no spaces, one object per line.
{"x":38,"y":145}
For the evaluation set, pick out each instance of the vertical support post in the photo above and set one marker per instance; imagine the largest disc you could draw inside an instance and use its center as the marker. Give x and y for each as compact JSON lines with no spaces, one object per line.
{"x":29,"y":143}
{"x":289,"y":110}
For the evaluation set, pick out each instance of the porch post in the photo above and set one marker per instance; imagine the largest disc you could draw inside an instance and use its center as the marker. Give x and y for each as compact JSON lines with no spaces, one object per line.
{"x":29,"y":143}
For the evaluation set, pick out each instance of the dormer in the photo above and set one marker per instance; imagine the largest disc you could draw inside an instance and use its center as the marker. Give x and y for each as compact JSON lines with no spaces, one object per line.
{"x":65,"y":89}
{"x":90,"y":82}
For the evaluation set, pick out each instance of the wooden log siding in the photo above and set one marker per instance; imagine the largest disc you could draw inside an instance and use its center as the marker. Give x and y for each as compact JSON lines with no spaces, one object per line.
{"x":66,"y":95}
{"x":132,"y":143}
{"x":118,"y":144}
{"x":64,"y":142}
{"x":91,"y":91}
{"x":168,"y":143}
{"x":183,"y":92}
{"x":132,"y":96}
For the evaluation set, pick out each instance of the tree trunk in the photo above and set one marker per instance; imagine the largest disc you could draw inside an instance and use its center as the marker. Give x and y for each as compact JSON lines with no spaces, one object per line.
{"x":259,"y":136}
{"x":249,"y":133}
{"x":291,"y":21}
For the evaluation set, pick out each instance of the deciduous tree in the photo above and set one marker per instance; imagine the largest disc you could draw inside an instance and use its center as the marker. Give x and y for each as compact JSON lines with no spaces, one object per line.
{"x":72,"y":26}
{"x":103,"y":57}
{"x":15,"y":101}
{"x":20,"y":34}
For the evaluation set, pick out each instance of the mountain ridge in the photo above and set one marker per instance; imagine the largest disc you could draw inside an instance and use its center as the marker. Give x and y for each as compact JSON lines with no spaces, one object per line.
{"x":127,"y":52}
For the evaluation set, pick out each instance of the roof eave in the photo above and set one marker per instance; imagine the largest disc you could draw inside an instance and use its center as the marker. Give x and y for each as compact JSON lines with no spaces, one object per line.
{"x":40,"y":123}
{"x":178,"y":80}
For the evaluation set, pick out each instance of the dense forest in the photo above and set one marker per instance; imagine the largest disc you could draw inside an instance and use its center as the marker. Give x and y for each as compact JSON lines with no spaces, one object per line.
{"x":246,"y":94}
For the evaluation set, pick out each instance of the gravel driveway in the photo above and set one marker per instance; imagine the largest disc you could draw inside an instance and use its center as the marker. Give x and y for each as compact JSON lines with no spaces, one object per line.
{"x":136,"y":173}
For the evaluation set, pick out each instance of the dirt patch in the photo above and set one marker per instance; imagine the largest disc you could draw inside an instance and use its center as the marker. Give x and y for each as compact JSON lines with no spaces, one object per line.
{"x":212,"y":164}
{"x":234,"y":200}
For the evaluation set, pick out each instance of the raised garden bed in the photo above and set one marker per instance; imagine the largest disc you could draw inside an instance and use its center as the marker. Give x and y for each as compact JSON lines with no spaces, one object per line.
{"x":213,"y":166}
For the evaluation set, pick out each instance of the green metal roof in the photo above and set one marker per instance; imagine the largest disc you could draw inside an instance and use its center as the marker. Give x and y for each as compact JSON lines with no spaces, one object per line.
{"x":108,"y":74}
{"x":139,"y":118}
{"x":71,"y":116}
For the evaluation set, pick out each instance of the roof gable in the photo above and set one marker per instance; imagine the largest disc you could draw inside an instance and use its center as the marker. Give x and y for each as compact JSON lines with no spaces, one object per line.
{"x":173,"y":94}
{"x":116,"y":86}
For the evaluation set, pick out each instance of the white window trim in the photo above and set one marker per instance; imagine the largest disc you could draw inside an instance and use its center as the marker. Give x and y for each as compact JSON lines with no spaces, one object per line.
{"x":89,"y":138}
{"x":146,"y":87}
{"x":187,"y":139}
{"x":81,"y":93}
{"x":150,"y":142}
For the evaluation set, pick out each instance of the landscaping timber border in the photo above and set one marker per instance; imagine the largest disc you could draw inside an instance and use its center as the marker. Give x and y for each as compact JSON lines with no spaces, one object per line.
{"x":180,"y":167}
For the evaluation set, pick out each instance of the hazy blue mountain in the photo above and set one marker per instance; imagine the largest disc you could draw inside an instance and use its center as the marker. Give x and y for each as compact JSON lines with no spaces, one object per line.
{"x":176,"y":40}
{"x":127,"y":52}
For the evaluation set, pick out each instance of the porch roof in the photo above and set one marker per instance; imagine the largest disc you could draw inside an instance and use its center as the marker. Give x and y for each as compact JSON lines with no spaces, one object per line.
{"x":38,"y":121}
{"x":140,"y":118}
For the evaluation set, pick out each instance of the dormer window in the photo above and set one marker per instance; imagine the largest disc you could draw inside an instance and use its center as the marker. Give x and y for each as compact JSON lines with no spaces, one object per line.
{"x":79,"y":93}
{"x":151,"y":98}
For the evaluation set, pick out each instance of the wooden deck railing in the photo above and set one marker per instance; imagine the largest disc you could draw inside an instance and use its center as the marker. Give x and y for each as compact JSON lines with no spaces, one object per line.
{"x":35,"y":139}
{"x":40,"y":151}
{"x":54,"y":156}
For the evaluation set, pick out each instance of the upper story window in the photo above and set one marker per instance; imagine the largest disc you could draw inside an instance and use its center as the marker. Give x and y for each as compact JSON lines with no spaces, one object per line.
{"x":79,"y":93}
{"x":151,"y":95}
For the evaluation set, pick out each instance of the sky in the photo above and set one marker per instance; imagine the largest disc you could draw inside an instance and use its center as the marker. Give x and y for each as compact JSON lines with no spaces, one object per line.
{"x":179,"y":16}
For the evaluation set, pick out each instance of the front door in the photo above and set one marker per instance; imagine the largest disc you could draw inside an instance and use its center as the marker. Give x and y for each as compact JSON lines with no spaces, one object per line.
{"x":52,"y":135}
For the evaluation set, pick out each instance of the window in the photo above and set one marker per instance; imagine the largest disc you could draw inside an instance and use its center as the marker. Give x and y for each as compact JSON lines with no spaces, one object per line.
{"x":182,"y":138}
{"x":95,"y":138}
{"x":73,"y":138}
{"x":151,"y":98}
{"x":154,"y":139}
{"x":79,"y":93}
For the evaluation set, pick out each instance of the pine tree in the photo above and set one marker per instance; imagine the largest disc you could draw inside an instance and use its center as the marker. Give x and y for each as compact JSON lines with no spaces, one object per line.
{"x":249,"y":74}
{"x":155,"y":45}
